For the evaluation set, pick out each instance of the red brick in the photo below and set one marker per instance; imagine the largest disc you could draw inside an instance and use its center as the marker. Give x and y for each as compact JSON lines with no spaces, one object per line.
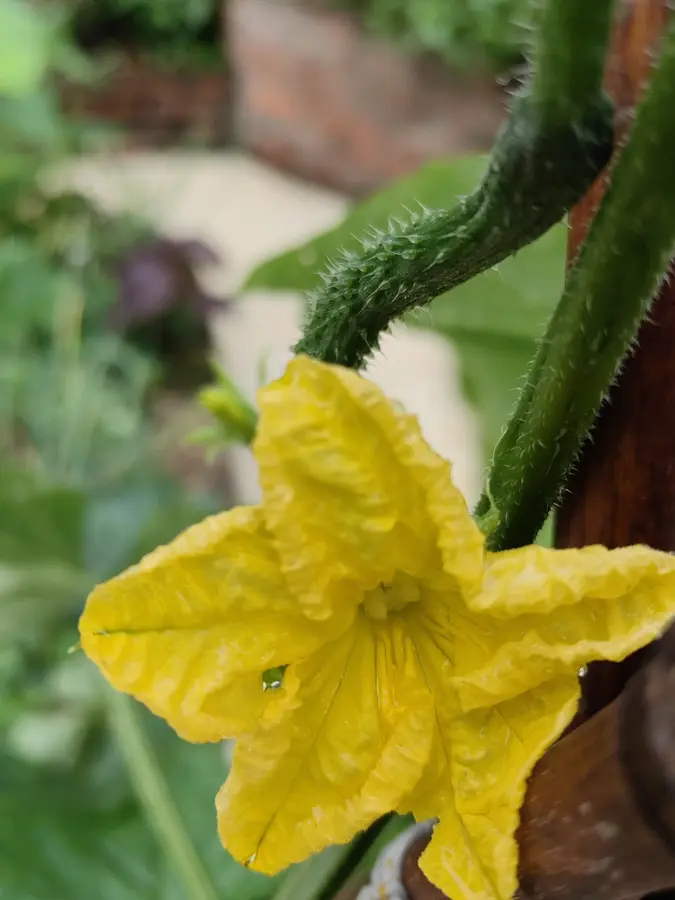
{"x":156,"y":106}
{"x":314,"y":95}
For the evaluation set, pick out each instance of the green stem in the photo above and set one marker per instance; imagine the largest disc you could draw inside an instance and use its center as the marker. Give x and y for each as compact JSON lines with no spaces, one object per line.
{"x":155,"y":798}
{"x":607,"y":295}
{"x":569,"y":56}
{"x":556,"y":141}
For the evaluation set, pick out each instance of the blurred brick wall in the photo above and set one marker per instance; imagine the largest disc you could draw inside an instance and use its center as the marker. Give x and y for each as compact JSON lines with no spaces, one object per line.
{"x":157,"y":106}
{"x":313,"y":95}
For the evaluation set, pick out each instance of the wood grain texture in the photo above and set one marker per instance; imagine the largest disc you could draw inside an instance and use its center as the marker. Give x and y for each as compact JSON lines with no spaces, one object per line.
{"x":623,"y":491}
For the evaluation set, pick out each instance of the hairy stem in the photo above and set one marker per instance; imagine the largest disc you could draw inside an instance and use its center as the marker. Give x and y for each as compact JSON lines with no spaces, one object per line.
{"x":557,"y":139}
{"x":607,"y":295}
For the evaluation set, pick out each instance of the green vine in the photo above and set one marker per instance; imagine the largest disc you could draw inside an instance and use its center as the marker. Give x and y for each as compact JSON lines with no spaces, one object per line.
{"x":607,"y":295}
{"x":557,"y":139}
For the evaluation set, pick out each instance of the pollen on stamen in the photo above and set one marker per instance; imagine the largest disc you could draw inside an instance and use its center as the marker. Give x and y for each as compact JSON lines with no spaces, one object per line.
{"x":392,"y":596}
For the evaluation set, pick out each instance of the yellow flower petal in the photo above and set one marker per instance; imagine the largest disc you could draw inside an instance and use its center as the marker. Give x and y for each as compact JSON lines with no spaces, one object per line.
{"x":473,"y":853}
{"x":505,"y":685}
{"x":539,"y":580}
{"x":352,"y":734}
{"x":352,"y":490}
{"x":475,"y":779}
{"x":452,"y":861}
{"x":585,"y":605}
{"x":190,"y":630}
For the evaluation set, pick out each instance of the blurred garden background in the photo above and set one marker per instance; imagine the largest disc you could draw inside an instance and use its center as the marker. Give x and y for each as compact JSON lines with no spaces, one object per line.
{"x":174,"y":175}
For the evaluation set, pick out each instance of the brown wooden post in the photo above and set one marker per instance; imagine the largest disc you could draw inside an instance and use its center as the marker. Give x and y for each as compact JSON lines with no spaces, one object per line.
{"x":624,"y":488}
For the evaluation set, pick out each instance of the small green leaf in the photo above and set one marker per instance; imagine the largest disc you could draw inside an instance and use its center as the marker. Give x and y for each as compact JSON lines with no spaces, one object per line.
{"x":228,"y":405}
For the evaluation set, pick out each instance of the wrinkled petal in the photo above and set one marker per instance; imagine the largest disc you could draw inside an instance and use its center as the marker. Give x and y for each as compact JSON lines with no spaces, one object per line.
{"x":540,"y":580}
{"x":352,"y":491}
{"x":191,"y":628}
{"x":585,"y":605}
{"x":473,"y":853}
{"x":453,"y":861}
{"x":435,"y":628}
{"x":351,"y":735}
{"x":480,"y":760}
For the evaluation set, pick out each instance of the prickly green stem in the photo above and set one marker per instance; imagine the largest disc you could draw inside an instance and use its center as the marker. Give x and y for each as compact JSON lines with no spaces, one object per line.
{"x":606,"y":297}
{"x":557,"y":139}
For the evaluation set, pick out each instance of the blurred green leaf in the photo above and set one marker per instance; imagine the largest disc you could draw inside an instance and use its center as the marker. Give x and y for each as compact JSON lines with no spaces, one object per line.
{"x":513,"y":300}
{"x":29,"y":288}
{"x":55,"y":542}
{"x":40,"y":522}
{"x":82,"y":407}
{"x":82,"y":501}
{"x":129,"y":519}
{"x":471,"y":34}
{"x":31,"y":122}
{"x":25,"y":46}
{"x":34,"y":599}
{"x":59,"y":843}
{"x":308,"y":880}
{"x":194,"y":774}
{"x":493,"y":322}
{"x":492,"y":367}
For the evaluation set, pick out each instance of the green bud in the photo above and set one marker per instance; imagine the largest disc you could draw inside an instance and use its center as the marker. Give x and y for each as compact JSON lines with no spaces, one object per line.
{"x":237,"y":419}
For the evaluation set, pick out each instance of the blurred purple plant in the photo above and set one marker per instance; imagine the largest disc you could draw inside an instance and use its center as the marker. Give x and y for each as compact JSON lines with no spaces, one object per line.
{"x":158,"y":277}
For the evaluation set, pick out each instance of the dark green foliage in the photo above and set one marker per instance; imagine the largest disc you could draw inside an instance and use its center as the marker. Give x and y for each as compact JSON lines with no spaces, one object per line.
{"x":490,"y":34}
{"x":177,"y":32}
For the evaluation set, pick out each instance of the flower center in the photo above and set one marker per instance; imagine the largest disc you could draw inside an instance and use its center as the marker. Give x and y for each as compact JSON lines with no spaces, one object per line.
{"x":387,"y":598}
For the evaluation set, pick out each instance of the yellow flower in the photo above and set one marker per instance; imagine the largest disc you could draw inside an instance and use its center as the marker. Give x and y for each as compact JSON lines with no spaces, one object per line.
{"x":423,"y":673}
